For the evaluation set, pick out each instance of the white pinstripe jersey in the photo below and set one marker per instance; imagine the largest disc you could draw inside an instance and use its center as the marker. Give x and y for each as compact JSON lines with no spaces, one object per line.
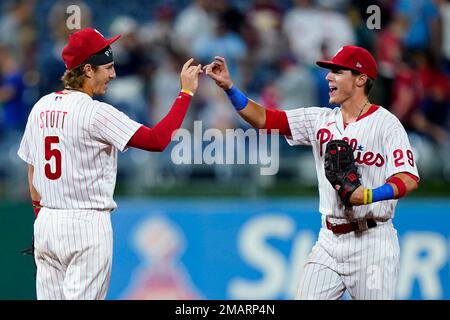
{"x":381,"y":149}
{"x":72,"y":142}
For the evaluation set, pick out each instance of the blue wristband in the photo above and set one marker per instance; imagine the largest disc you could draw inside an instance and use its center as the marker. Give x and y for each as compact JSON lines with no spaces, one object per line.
{"x":237,"y":98}
{"x":385,"y":192}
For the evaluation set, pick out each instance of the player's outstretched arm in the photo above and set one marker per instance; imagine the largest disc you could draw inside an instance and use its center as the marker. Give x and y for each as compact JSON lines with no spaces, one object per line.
{"x":398,"y":186}
{"x":158,"y":137}
{"x":249,"y":110}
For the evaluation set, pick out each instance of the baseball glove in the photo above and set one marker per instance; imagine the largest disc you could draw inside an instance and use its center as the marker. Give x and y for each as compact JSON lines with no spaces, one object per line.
{"x":340,"y":169}
{"x":30,"y":252}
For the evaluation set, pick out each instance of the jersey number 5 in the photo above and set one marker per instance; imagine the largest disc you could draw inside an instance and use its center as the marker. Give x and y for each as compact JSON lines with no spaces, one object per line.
{"x":52,"y":153}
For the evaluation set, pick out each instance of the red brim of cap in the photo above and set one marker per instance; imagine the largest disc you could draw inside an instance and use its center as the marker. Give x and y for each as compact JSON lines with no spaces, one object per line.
{"x":107,"y":43}
{"x":328,"y":64}
{"x":113,"y":39}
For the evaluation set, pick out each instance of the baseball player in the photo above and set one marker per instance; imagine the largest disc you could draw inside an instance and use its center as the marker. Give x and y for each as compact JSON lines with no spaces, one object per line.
{"x":357,"y":248}
{"x":71,"y":142}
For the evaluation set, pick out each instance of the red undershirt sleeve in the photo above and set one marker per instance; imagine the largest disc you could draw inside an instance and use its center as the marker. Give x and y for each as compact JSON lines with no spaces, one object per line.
{"x":277,"y":119}
{"x":158,"y":137}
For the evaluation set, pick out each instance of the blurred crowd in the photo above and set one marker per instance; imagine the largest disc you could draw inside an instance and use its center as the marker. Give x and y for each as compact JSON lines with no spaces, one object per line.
{"x":271,"y":48}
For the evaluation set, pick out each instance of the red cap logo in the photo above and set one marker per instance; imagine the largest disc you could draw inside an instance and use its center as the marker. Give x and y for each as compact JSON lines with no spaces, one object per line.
{"x":353,"y":58}
{"x":83,"y":44}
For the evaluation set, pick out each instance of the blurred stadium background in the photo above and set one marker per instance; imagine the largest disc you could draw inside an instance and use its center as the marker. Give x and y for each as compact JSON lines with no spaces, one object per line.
{"x":224,"y":231}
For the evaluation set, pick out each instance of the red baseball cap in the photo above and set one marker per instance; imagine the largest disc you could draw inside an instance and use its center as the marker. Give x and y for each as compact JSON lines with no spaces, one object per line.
{"x":83,"y":44}
{"x":353,"y":58}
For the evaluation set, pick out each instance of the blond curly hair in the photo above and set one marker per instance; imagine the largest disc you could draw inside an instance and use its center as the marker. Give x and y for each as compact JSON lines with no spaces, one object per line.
{"x":75,"y":78}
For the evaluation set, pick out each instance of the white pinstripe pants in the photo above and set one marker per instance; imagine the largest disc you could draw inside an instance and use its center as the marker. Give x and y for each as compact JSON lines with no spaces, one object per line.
{"x":365,"y":263}
{"x":73,"y":253}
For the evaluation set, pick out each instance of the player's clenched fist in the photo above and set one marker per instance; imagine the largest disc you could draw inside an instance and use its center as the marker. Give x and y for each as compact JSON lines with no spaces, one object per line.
{"x":218,"y":71}
{"x":189,"y":76}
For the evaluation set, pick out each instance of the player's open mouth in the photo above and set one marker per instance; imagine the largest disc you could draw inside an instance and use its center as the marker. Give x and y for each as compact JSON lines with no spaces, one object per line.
{"x":332,"y":90}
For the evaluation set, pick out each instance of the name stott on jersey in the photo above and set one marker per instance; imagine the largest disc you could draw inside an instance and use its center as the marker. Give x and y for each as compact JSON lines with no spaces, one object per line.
{"x":381,"y":149}
{"x":72,"y":142}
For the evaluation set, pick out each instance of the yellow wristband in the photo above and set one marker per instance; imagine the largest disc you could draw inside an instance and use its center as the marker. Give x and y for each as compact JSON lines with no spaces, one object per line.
{"x":189,"y":92}
{"x":367,"y":196}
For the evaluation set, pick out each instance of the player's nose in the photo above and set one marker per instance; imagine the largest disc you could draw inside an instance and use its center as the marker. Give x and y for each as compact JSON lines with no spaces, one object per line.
{"x":329,"y":76}
{"x":112,"y":73}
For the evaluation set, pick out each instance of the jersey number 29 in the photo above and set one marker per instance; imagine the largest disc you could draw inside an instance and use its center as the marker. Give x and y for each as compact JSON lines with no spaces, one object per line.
{"x":52,"y":153}
{"x":399,"y":158}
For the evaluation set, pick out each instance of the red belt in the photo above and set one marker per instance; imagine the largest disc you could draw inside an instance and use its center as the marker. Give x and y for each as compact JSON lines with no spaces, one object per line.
{"x":360,"y":225}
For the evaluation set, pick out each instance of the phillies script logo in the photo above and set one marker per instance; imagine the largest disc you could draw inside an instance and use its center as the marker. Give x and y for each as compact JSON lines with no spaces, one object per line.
{"x":368,"y":158}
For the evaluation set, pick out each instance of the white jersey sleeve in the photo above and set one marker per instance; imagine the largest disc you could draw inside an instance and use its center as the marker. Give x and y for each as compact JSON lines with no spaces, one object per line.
{"x":303,"y":123}
{"x":399,"y":154}
{"x":112,"y":126}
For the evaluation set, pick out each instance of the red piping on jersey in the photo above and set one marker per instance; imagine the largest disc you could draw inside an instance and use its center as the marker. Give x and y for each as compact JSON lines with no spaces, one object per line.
{"x":277,"y":119}
{"x":416,"y":179}
{"x":371,"y":110}
{"x":158,"y":137}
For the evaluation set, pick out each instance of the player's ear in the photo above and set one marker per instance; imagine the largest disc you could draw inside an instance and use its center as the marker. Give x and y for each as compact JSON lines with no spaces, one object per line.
{"x":88,"y":70}
{"x":361,"y":80}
